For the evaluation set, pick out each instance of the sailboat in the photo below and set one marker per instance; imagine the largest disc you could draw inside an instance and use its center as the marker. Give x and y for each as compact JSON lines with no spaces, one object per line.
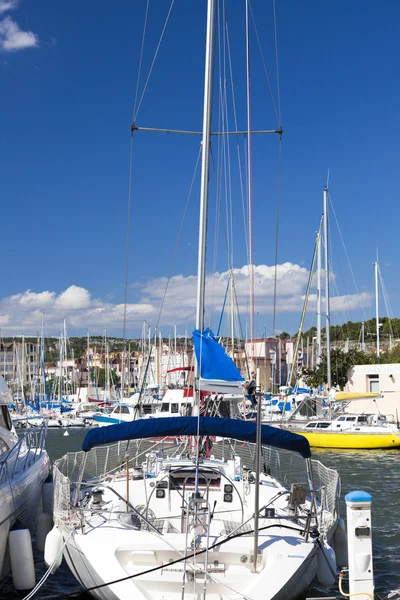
{"x":336,"y":428}
{"x":139,"y":522}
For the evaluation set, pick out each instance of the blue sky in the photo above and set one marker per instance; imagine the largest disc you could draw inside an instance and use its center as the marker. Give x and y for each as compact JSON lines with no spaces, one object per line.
{"x":68,"y":79}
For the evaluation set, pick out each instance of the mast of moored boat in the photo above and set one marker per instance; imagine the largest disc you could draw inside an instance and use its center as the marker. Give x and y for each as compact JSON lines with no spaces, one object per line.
{"x":377,"y":305}
{"x":327,"y":303}
{"x":257,"y":471}
{"x":319,"y":253}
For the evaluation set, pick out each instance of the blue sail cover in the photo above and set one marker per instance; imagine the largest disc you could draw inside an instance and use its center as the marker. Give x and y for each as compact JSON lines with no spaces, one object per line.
{"x":214,"y":362}
{"x":203,"y":426}
{"x":299,"y":390}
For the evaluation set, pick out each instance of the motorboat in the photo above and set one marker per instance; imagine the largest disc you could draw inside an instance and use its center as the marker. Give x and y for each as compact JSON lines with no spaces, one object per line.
{"x":351,"y":431}
{"x":24,"y":466}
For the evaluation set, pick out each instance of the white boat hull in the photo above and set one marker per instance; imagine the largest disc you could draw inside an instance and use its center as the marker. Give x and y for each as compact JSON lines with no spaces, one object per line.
{"x":19,"y":501}
{"x":273,"y":582}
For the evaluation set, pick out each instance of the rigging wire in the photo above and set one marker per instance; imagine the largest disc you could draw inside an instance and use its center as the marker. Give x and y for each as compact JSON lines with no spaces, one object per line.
{"x":153,"y":61}
{"x":277,"y":109}
{"x":277,"y":112}
{"x":140,"y":59}
{"x":278,"y":205}
{"x":241,"y":186}
{"x":217,"y":170}
{"x":128,"y":235}
{"x":347,"y":256}
{"x":249,"y":179}
{"x":340,"y":314}
{"x":386,"y":300}
{"x":170,"y":271}
{"x":179,"y":236}
{"x":277,"y":64}
{"x":224,"y":174}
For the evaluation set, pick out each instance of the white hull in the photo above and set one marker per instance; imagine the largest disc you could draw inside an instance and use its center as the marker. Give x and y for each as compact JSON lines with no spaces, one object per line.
{"x":20,"y":500}
{"x":261,"y":586}
{"x":155,"y":532}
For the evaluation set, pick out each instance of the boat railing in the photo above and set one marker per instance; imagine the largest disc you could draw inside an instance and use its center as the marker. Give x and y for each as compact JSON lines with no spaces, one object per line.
{"x":103,"y":461}
{"x":99,"y":463}
{"x":24,"y":453}
{"x":289,"y":467}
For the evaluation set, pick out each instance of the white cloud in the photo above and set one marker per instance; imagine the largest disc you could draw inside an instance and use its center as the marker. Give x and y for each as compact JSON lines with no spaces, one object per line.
{"x":344,"y":304}
{"x":74,"y":298}
{"x":32,"y":300}
{"x":6,"y":5}
{"x":350,"y":302}
{"x":13,"y":38}
{"x":23,"y":312}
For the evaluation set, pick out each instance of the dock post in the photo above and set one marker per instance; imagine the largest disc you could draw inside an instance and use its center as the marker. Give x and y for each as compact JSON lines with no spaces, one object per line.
{"x":359,"y":533}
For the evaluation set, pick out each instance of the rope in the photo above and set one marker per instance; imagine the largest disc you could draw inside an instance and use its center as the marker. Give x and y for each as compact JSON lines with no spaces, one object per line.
{"x":153,"y":61}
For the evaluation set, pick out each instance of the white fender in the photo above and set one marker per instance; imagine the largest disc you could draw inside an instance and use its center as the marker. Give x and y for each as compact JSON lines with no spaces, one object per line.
{"x":326,"y":555}
{"x":340,"y":544}
{"x":21,"y":557}
{"x":43,"y":527}
{"x":52,"y":548}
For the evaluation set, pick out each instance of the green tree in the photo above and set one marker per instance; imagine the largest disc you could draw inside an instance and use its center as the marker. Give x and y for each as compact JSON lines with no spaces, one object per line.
{"x":101,"y":377}
{"x":284,"y":335}
{"x":341,"y":363}
{"x":390,"y":356}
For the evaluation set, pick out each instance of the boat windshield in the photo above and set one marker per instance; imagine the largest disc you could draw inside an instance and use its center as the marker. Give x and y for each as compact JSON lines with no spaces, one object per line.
{"x":122,"y":410}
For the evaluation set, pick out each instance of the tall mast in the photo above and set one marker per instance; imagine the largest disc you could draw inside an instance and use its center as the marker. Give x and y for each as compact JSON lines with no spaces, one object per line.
{"x":106,"y":375}
{"x":61,"y":349}
{"x":232,"y":295}
{"x":41,"y":368}
{"x":87,"y":363}
{"x":377,"y":305}
{"x":327,"y":306}
{"x":205,"y":162}
{"x":175,"y":356}
{"x":319,"y":348}
{"x":65,"y":359}
{"x":23,"y":367}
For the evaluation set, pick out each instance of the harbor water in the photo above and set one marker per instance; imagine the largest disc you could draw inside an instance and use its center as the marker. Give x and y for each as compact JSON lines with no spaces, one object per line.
{"x":376,"y":472}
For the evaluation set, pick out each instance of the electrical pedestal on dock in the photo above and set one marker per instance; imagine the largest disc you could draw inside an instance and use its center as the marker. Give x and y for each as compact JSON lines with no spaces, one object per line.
{"x":359,"y":535}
